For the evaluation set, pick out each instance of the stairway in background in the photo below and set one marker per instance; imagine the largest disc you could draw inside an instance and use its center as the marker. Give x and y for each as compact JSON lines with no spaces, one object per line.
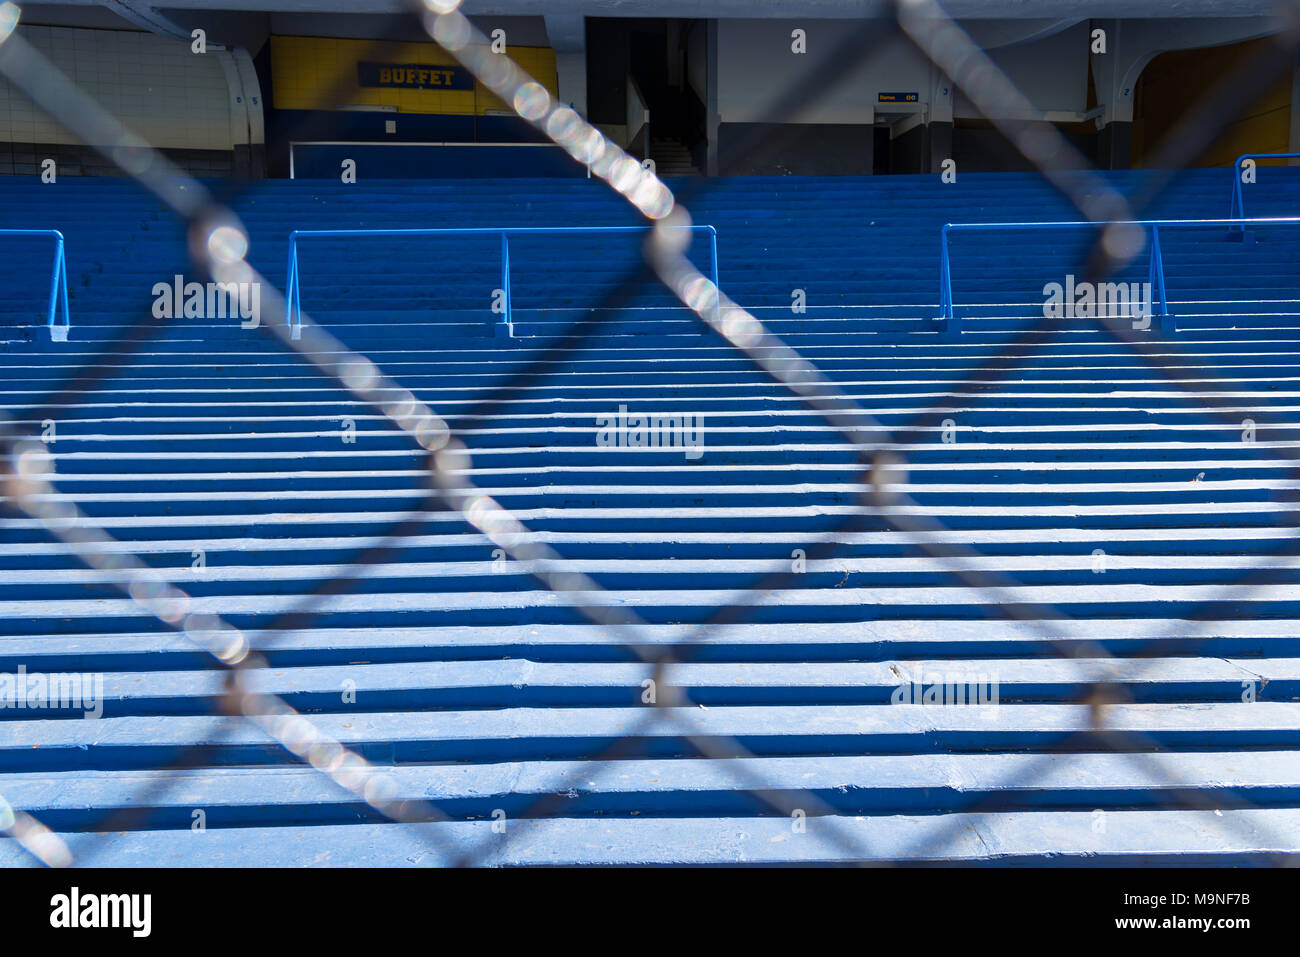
{"x":1078,"y":470}
{"x":864,"y":251}
{"x":672,"y":158}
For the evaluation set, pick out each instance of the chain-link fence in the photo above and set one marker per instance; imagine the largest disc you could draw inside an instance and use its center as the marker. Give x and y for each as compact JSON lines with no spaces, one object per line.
{"x":219,"y":245}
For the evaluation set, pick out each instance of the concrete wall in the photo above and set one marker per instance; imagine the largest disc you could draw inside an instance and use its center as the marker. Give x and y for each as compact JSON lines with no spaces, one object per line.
{"x":756,"y":66}
{"x":1089,"y":95}
{"x":697,"y":60}
{"x":1052,"y":72}
{"x":1178,"y":83}
{"x":162,"y":91}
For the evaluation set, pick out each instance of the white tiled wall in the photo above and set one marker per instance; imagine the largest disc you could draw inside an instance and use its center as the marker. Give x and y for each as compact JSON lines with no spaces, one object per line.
{"x":172,"y":97}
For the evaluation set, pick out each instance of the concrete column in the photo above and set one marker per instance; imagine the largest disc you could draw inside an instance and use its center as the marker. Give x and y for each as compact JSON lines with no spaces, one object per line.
{"x":712,"y":119}
{"x":571,"y":70}
{"x":568,"y":38}
{"x":1115,"y":145}
{"x":1116,"y":72}
{"x":938,"y":131}
{"x":1293,"y":145}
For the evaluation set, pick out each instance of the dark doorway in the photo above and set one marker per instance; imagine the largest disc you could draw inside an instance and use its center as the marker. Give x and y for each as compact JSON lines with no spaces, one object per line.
{"x":659,"y":63}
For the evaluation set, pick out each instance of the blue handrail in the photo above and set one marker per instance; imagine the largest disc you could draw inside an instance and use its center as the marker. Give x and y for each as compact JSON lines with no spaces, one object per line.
{"x":58,"y":281}
{"x":1155,"y":269}
{"x":1238,"y":207}
{"x":504,"y":326}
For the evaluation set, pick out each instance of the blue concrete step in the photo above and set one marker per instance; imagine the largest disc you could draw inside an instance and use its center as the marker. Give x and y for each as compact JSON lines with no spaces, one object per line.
{"x":1081,"y":474}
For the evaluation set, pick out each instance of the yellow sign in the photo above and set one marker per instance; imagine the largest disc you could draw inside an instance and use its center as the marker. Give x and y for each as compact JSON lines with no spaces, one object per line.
{"x":325,"y":73}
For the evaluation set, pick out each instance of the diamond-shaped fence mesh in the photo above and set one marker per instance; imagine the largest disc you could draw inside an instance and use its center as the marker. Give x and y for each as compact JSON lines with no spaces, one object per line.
{"x":879,"y":448}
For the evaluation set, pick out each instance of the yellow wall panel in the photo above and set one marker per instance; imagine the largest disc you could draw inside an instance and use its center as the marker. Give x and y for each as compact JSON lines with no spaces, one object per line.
{"x":1176,"y":84}
{"x":320,"y":73}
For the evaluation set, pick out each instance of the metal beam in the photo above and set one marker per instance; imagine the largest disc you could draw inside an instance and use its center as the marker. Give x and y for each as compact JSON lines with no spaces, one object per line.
{"x":148,"y":18}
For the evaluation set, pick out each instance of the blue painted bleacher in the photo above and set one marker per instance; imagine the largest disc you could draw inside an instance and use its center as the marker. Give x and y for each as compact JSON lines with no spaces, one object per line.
{"x":484,"y":691}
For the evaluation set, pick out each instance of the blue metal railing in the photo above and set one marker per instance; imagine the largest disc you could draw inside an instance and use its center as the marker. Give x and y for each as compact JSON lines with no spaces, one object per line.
{"x":58,"y":281}
{"x":504,"y":324}
{"x":1155,"y":267}
{"x":1238,"y":208}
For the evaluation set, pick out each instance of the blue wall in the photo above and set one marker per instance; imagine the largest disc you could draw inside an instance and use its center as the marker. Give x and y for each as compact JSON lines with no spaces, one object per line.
{"x":381,"y":161}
